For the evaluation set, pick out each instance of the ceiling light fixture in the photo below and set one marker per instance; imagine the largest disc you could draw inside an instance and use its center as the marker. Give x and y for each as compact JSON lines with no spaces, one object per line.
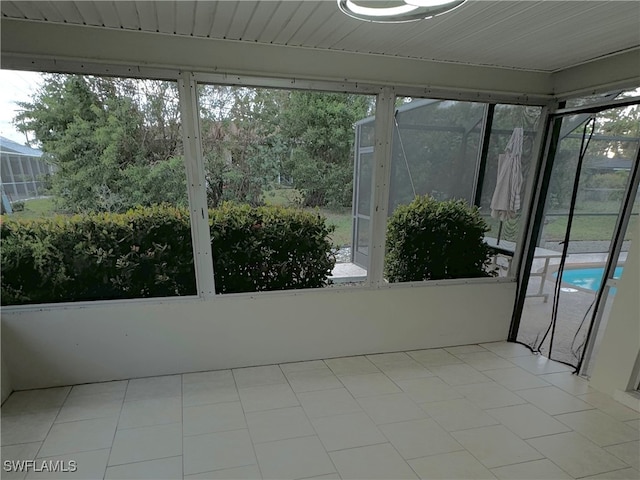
{"x":396,"y":11}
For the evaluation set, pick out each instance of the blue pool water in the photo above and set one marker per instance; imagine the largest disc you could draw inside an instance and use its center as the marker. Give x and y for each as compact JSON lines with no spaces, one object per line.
{"x":589,"y":278}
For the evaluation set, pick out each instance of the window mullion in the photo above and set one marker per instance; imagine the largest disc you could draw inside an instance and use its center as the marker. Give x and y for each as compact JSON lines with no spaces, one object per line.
{"x":385,"y":108}
{"x":196,"y":185}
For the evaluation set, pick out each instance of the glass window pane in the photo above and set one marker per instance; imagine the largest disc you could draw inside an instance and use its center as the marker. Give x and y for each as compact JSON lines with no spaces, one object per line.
{"x":363,"y":235}
{"x":117,"y":144}
{"x":506,"y":119}
{"x":602,"y":183}
{"x":364,"y":183}
{"x":601,"y":186}
{"x":367,"y":131}
{"x":266,"y":148}
{"x":435,"y":151}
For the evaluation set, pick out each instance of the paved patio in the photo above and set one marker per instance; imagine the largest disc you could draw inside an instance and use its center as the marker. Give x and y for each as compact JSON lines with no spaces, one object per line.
{"x":476,"y":411}
{"x":347,"y":272}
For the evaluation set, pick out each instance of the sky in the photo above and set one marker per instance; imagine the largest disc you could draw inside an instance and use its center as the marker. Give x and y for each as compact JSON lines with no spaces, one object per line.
{"x":15,"y":86}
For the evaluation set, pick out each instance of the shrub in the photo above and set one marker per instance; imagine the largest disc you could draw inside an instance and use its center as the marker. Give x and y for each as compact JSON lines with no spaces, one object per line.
{"x":605,"y":187}
{"x":17,"y":206}
{"x":613,"y":180}
{"x":269,"y":248}
{"x":147,"y":252}
{"x":432,"y":240}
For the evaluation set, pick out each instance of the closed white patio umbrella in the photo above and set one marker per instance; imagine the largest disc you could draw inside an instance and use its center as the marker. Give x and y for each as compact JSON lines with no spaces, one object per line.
{"x":505,"y":202}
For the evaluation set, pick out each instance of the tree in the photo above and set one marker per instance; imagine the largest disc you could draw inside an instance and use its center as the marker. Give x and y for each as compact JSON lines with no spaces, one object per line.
{"x":614,"y":139}
{"x":319,"y":127}
{"x":241,"y":145}
{"x":115,"y":142}
{"x":251,"y":136}
{"x":623,"y":123}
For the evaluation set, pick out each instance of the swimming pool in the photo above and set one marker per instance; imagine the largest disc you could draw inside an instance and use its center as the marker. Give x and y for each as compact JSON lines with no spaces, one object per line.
{"x":587,"y":278}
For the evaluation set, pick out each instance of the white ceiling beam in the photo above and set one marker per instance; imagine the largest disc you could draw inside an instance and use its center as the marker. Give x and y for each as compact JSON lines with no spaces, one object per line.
{"x":606,"y":74}
{"x":25,"y":40}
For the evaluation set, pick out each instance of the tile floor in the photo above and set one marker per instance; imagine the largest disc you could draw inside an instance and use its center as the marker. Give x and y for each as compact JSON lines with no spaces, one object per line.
{"x":476,"y":411}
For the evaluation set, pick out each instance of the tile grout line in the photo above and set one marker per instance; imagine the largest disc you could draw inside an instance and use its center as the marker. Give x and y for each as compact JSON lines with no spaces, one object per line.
{"x":115,"y":432}
{"x":221,"y":469}
{"x":377,"y":426}
{"x":138,"y":461}
{"x":522,"y":463}
{"x":73,"y":453}
{"x":146,"y":460}
{"x":465,"y":449}
{"x":585,"y":438}
{"x":438,"y":423}
{"x":244,"y":414}
{"x":52,"y":423}
{"x":288,"y":438}
{"x":499,"y":424}
{"x":335,"y":469}
{"x":620,"y":443}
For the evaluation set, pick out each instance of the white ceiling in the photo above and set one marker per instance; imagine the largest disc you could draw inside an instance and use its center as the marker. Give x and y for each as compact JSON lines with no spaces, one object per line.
{"x":544,"y":36}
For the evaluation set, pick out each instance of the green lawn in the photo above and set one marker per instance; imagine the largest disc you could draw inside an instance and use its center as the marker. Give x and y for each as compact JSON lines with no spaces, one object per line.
{"x":44,"y":207}
{"x":39,"y":207}
{"x":585,"y":228}
{"x":343,"y":223}
{"x":287,"y":197}
{"x":290,"y":197}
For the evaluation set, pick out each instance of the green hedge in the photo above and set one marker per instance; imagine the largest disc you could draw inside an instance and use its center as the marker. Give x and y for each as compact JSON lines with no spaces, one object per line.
{"x":269,"y":248}
{"x":147,"y":252}
{"x":432,"y":240}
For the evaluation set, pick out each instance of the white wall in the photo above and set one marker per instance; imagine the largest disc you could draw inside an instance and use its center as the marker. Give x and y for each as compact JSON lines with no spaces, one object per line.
{"x":108,"y":341}
{"x":5,"y":382}
{"x":620,"y":345}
